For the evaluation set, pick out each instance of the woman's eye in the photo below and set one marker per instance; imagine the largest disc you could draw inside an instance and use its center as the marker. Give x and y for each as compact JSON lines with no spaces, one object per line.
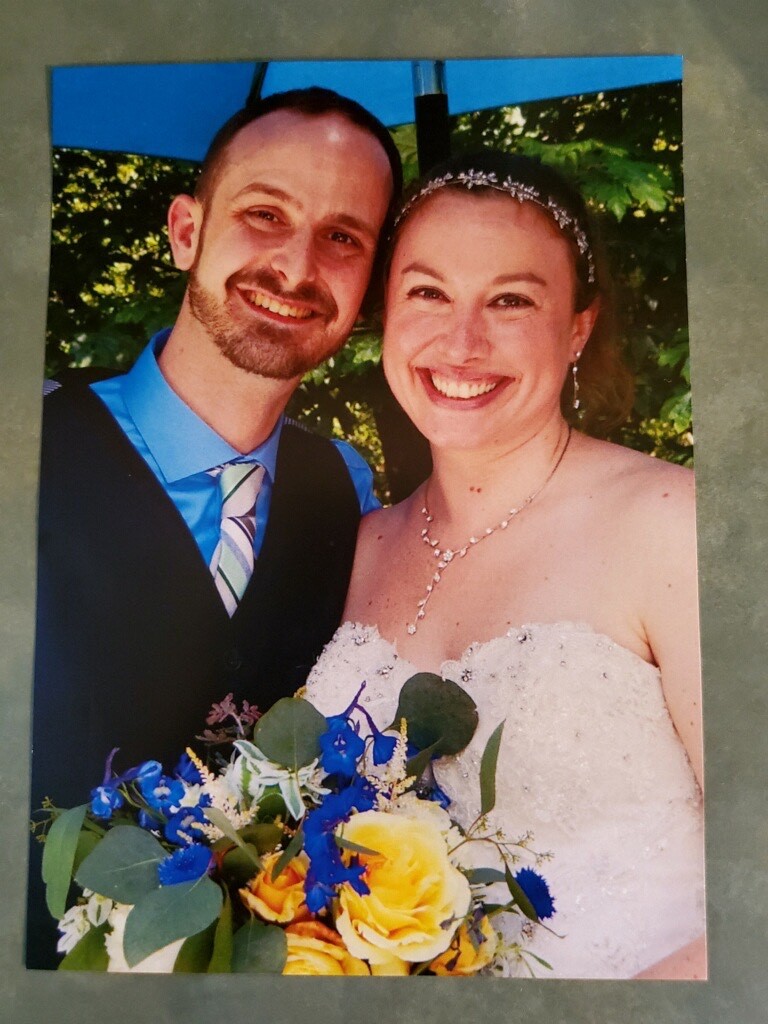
{"x":425,"y":292}
{"x":512,"y":301}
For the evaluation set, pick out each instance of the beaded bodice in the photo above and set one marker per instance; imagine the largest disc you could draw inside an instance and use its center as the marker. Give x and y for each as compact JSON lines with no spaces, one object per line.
{"x":589,"y":762}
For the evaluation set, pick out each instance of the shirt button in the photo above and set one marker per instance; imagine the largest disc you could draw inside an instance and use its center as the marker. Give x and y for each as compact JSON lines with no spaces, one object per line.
{"x":233,"y":660}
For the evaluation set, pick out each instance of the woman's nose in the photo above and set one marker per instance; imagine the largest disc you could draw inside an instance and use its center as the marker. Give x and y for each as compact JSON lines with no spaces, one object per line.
{"x":466,"y":338}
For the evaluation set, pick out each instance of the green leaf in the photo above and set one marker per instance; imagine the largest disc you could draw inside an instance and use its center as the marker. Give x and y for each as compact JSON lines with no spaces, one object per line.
{"x":195,"y":954}
{"x":289,"y":853}
{"x":59,"y":858}
{"x":259,"y":949}
{"x":238,"y":865}
{"x":90,"y":954}
{"x":347,"y":844}
{"x":123,"y":866}
{"x":271,"y":806}
{"x":518,"y":896}
{"x":438,"y":711}
{"x":222,"y":822}
{"x":485,"y":876}
{"x":263,"y":835}
{"x":86,"y":843}
{"x":416,"y":766}
{"x":488,"y":770}
{"x":221,"y":960}
{"x":289,"y":732}
{"x":167,"y":914}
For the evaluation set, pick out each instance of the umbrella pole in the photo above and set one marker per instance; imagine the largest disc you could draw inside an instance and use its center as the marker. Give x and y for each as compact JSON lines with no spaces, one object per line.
{"x":430,"y":100}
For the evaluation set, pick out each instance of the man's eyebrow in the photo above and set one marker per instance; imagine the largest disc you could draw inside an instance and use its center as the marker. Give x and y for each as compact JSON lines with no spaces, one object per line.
{"x":270,"y":190}
{"x":341,"y":219}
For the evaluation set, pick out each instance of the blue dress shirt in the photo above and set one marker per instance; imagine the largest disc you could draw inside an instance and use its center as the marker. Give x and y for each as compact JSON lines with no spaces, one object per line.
{"x":180,"y":448}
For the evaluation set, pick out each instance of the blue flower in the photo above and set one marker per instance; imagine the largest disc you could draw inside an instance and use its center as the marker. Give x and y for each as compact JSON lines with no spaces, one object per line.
{"x":326,"y":868}
{"x":341,"y":747}
{"x":185,"y":865}
{"x":537,"y":891}
{"x":148,"y":821}
{"x":187,"y":772}
{"x":383,"y":747}
{"x":160,"y":792}
{"x":105,"y":800}
{"x":180,"y":827}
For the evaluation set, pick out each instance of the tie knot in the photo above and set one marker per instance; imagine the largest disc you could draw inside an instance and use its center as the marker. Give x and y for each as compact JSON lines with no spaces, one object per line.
{"x":239,"y":484}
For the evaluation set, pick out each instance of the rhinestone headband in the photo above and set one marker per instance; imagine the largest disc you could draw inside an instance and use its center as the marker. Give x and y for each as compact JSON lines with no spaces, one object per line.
{"x":523,"y":193}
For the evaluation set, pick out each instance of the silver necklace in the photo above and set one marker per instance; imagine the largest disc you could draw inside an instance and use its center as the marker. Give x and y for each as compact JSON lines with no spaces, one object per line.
{"x":445,"y":556}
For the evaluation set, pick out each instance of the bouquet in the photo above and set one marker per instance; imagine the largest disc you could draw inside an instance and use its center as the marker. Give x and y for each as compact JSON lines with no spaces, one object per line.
{"x":320,"y":846}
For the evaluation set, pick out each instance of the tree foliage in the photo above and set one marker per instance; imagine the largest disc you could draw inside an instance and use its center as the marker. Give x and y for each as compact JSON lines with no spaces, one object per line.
{"x":112,"y":283}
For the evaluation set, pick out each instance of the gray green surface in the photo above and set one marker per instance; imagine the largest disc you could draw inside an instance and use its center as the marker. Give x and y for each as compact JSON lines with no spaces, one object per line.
{"x":725,"y":160}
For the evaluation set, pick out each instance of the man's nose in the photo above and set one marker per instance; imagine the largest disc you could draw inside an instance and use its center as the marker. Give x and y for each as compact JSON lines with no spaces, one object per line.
{"x":295,"y":259}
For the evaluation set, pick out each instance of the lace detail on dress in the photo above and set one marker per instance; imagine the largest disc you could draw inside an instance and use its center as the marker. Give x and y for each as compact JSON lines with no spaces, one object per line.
{"x":589,"y":761}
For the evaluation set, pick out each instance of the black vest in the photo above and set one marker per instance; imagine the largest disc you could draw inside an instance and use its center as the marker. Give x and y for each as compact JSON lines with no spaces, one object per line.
{"x":133,"y":642}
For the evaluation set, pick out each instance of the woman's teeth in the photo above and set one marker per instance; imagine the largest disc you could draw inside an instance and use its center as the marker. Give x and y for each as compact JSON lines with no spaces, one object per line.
{"x":461,"y":388}
{"x":257,"y":299}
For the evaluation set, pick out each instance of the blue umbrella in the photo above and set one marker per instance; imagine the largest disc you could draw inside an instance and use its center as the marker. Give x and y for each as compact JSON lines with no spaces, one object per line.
{"x":175,"y":109}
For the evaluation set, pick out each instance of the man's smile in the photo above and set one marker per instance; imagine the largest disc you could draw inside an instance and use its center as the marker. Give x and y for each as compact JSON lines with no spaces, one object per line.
{"x":270,"y":304}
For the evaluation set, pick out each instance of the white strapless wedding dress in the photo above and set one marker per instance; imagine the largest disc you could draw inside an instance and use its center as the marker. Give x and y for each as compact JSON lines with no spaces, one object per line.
{"x":589,"y":762}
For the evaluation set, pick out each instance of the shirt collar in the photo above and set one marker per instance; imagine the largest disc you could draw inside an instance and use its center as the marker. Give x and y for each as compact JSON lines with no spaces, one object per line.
{"x":179,"y":441}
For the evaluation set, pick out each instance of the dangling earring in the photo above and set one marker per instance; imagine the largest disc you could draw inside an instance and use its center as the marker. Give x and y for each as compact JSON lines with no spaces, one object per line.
{"x":576,"y":401}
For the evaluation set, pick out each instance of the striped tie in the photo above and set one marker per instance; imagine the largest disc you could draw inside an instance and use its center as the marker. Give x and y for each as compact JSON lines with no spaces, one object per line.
{"x":232,"y":562}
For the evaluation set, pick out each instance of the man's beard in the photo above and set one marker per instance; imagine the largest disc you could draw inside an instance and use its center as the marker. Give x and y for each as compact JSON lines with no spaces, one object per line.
{"x":266,"y":348}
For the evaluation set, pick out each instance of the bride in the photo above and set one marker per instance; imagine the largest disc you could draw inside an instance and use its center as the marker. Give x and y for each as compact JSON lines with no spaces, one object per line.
{"x":551,"y":574}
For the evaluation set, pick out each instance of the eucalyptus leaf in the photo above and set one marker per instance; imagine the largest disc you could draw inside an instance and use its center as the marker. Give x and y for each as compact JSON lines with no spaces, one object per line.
{"x":167,"y":914}
{"x":259,"y":949}
{"x":90,"y":954}
{"x":289,"y":733}
{"x":438,"y":711}
{"x":291,"y":850}
{"x":221,"y":960}
{"x":485,"y":876}
{"x":222,"y":822}
{"x":123,"y":866}
{"x":237,"y":867}
{"x":488,"y":770}
{"x":59,"y":858}
{"x":416,"y":766}
{"x":263,"y":835}
{"x":86,"y":843}
{"x":271,"y":806}
{"x":195,"y":953}
{"x":518,"y":896}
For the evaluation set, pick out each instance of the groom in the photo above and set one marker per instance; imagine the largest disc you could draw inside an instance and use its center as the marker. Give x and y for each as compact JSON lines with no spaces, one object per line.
{"x":193,"y":542}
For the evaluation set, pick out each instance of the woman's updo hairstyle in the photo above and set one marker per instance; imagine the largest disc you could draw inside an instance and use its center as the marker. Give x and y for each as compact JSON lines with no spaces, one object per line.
{"x":606,"y":387}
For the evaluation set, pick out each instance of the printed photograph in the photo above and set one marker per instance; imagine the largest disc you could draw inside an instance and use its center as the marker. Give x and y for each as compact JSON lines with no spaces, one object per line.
{"x":367,"y":611}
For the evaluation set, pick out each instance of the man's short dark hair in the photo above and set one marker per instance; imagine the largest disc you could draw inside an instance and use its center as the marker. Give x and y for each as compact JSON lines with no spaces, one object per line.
{"x":313,"y":102}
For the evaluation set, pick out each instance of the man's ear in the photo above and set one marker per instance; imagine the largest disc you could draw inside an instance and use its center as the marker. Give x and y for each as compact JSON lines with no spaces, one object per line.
{"x":185,"y":218}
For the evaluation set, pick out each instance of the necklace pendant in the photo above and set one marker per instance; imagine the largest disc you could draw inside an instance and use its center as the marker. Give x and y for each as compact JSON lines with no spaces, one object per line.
{"x":411,"y":629}
{"x":448,"y":555}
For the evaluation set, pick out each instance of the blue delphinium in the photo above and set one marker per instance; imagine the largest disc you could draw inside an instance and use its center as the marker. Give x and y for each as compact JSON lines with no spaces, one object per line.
{"x":105,"y":800}
{"x":185,"y":865}
{"x":181,"y":826}
{"x":537,"y":891}
{"x":326,"y":867}
{"x":161,"y":792}
{"x":341,"y":747}
{"x":187,"y":771}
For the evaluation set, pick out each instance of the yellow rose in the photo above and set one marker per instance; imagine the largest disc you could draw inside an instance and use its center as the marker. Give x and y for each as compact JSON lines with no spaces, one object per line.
{"x":462,"y":956}
{"x":314,"y":949}
{"x":414,"y":888}
{"x":280,"y":899}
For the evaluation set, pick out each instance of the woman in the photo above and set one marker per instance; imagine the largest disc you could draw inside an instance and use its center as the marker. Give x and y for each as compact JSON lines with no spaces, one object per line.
{"x":551,"y":574}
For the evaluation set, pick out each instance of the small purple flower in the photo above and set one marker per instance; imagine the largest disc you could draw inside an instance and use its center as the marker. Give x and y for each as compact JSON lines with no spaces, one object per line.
{"x":537,"y":891}
{"x":181,"y":825}
{"x":185,"y":865}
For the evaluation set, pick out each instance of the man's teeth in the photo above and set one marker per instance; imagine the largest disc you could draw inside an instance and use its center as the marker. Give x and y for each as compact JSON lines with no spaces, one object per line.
{"x":461,"y":388}
{"x":257,"y":299}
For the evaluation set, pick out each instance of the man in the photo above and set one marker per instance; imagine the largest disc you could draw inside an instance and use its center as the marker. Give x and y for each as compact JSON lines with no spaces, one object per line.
{"x":192,"y":542}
